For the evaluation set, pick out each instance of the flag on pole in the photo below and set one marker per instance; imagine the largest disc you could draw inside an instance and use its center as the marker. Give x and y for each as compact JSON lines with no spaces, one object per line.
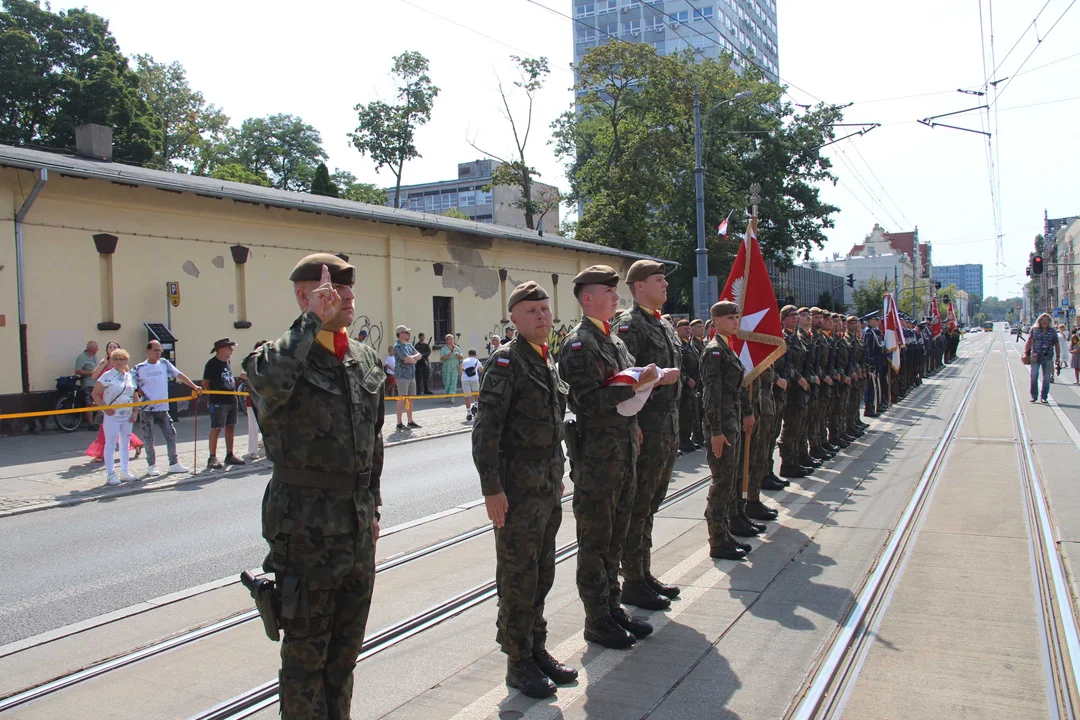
{"x":950,"y":319}
{"x":759,"y":341}
{"x":894,"y":331}
{"x":722,"y":230}
{"x":935,"y":315}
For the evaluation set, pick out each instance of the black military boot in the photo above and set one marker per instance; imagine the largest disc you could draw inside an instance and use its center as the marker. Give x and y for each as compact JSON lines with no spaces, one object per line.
{"x":726,"y":549}
{"x":560,"y":674}
{"x":527,"y":677}
{"x":838,"y":442}
{"x":771,"y":482}
{"x":742,"y":528}
{"x":605,"y":631}
{"x":745,"y":547}
{"x":669,"y":591}
{"x":809,"y":462}
{"x":638,"y":592}
{"x":818,"y":453}
{"x":638,"y":628}
{"x":830,"y":449}
{"x":790,"y":472}
{"x":757,"y":510}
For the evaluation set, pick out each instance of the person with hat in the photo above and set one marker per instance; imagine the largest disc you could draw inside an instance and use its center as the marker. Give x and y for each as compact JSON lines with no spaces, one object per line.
{"x":818,"y":431}
{"x":217,"y":375}
{"x":727,"y":416}
{"x":853,"y":426}
{"x":318,"y":397}
{"x":798,"y":394}
{"x":785,"y":376}
{"x":697,"y":341}
{"x":406,"y":357}
{"x":875,"y":354}
{"x":517,"y":450}
{"x":690,"y":379}
{"x":652,"y":341}
{"x":604,"y":447}
{"x":813,"y":375}
{"x":845,"y":366}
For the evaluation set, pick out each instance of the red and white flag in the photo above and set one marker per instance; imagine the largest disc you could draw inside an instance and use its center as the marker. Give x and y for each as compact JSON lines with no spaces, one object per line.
{"x":722,"y":230}
{"x":894,"y":331}
{"x":950,"y":318}
{"x":935,"y":316}
{"x":759,"y":341}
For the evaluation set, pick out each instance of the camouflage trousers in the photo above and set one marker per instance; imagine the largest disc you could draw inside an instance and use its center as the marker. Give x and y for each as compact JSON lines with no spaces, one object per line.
{"x":813,"y":407}
{"x":816,"y":418}
{"x":322,"y":554}
{"x":603,"y":498}
{"x":525,"y":554}
{"x":836,"y":411}
{"x":855,"y":396}
{"x":689,"y":417}
{"x":724,"y":490}
{"x":655,"y":464}
{"x":794,"y":431}
{"x":761,"y":447}
{"x":774,"y":435}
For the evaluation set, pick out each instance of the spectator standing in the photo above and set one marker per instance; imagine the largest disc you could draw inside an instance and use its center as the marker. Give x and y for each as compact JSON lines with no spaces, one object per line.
{"x":217,"y":375}
{"x":152,"y":378}
{"x":405,"y":357}
{"x":450,"y":356}
{"x":116,"y":386}
{"x":96,"y":451}
{"x":423,"y":366}
{"x":509,"y":334}
{"x":1074,"y":353}
{"x":1039,"y":351}
{"x":470,"y":382}
{"x":85,"y":365}
{"x":494,"y":344}
{"x":391,"y":380}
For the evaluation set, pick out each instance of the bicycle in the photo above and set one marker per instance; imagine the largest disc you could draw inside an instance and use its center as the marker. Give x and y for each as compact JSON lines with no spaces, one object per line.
{"x":71,"y":397}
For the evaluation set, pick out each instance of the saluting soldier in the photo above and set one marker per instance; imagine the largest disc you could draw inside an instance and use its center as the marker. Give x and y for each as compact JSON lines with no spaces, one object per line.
{"x":690,"y":378}
{"x":318,"y":396}
{"x":517,"y":450}
{"x":604,"y":446}
{"x":727,"y":417}
{"x":651,"y":340}
{"x":798,"y":395}
{"x":697,"y":341}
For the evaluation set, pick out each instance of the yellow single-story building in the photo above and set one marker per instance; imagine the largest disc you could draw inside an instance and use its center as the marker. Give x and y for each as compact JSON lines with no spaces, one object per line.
{"x":95,"y":246}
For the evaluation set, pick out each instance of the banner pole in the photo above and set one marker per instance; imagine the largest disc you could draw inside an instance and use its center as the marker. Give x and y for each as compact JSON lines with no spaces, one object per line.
{"x":746,"y":452}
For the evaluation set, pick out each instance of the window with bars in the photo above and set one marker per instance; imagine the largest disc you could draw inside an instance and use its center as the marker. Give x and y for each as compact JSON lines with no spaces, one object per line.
{"x":442,"y":311}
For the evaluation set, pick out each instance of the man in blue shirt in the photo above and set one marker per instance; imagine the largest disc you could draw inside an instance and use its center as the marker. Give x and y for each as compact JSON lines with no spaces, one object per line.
{"x":405,"y":357}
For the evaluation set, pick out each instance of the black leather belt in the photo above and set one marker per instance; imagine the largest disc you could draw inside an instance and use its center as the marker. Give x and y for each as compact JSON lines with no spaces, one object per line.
{"x":603,"y":422}
{"x":325,"y":480}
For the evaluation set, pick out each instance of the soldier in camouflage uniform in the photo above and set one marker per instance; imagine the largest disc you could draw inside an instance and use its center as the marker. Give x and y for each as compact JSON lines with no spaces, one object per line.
{"x":727,"y":417}
{"x":812,"y":373}
{"x":697,"y":342}
{"x":819,"y":448}
{"x":798,"y":396}
{"x":517,"y":450}
{"x":782,"y":381}
{"x":652,"y":341}
{"x":762,"y":444}
{"x":318,"y":398}
{"x":604,"y":448}
{"x":845,"y":366}
{"x":854,"y":426}
{"x":690,"y":379}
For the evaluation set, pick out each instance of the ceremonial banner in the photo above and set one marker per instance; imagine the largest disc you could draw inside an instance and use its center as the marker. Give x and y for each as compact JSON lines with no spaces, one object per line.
{"x":950,"y":318}
{"x":894,"y":331}
{"x":759,"y":341}
{"x":935,"y":316}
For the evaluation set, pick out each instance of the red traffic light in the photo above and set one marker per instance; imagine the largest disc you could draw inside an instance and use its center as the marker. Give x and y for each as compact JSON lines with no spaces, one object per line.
{"x":1037,"y":265}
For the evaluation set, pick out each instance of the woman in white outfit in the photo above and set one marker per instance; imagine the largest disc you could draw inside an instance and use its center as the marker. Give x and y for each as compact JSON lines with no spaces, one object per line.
{"x":470,"y":382}
{"x":116,"y":386}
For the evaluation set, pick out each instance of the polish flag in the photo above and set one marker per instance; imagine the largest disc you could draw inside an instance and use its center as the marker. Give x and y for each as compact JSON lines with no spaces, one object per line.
{"x":950,"y":319}
{"x":935,"y":315}
{"x":759,"y":341}
{"x":894,"y":331}
{"x":722,"y":230}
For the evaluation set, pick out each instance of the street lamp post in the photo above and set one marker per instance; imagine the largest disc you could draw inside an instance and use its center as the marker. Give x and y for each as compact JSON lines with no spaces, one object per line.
{"x":702,"y":279}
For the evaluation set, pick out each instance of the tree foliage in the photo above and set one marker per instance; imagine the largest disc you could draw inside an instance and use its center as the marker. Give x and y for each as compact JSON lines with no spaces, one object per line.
{"x":283,"y":150}
{"x":321,"y":184}
{"x":629,"y":151}
{"x":62,"y":70}
{"x":357,"y":191}
{"x":869,"y":297}
{"x":235,"y":172}
{"x":185,"y":122}
{"x":386,"y":133}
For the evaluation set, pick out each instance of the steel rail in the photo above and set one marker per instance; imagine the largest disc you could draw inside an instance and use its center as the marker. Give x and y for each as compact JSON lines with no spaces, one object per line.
{"x":266,"y":695}
{"x":1054,"y":606}
{"x":191,"y":636}
{"x":824,"y":692}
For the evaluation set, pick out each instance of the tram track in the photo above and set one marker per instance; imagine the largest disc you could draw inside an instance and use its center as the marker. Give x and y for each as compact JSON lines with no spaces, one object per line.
{"x":833,"y":679}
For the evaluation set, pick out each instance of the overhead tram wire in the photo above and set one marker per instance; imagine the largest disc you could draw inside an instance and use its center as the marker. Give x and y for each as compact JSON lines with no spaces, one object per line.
{"x":1022,"y":35}
{"x":855,"y":147}
{"x":874,"y":198}
{"x":998,"y":224}
{"x":988,"y":150}
{"x":1037,"y":46}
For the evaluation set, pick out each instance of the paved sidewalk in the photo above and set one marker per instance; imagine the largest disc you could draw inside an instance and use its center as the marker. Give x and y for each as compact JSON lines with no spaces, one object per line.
{"x":51,"y":469}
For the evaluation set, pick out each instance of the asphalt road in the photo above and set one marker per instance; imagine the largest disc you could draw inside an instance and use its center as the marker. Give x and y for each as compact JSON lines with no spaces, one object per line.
{"x":64,"y":565}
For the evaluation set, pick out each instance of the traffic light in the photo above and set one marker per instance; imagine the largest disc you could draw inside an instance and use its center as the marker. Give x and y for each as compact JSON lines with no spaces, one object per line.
{"x":937,"y":285}
{"x":1037,"y":265}
{"x":851,"y":280}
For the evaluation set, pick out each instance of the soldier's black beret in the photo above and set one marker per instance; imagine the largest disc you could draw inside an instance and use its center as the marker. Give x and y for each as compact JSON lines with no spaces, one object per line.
{"x":643,"y":270}
{"x":528,"y":290}
{"x":310,"y":268}
{"x":597,"y":275}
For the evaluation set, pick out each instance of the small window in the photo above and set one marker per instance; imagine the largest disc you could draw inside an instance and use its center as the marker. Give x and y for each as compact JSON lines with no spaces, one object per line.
{"x":682,"y":16}
{"x":585,"y":35}
{"x":705,"y":13}
{"x":631,"y":27}
{"x":442,"y":310}
{"x":609,"y":31}
{"x":429,"y":202}
{"x":483,"y":198}
{"x":449,"y":200}
{"x":654,"y":23}
{"x":466,"y":198}
{"x":586,"y":10}
{"x":607,"y":6}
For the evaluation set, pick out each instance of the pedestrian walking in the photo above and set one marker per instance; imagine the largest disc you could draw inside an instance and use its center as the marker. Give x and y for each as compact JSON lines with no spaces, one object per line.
{"x":423,"y":366}
{"x":517,"y":450}
{"x":604,"y":447}
{"x":96,"y":449}
{"x":318,"y":396}
{"x":1074,"y":353}
{"x":1040,"y":350}
{"x":450,"y":358}
{"x":405,"y":359}
{"x":152,"y":378}
{"x":470,"y":381}
{"x":116,"y":386}
{"x":217,"y":375}
{"x":85,"y":364}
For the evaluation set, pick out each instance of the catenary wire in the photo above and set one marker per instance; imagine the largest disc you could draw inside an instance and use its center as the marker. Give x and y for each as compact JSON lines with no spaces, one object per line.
{"x":855,"y":147}
{"x":1037,"y":46}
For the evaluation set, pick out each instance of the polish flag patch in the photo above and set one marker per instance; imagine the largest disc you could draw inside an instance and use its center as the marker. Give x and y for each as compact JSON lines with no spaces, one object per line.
{"x":716,"y":353}
{"x":624,"y":328}
{"x":576,"y":345}
{"x":503,"y":362}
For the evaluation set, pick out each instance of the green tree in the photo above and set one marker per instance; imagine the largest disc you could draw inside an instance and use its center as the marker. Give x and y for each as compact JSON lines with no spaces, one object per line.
{"x":869,"y":297}
{"x":386,"y":133}
{"x":455,"y":213}
{"x":185,"y":121}
{"x":235,"y":172}
{"x":629,"y":151}
{"x":357,"y":191}
{"x":282,"y":148}
{"x":321,"y":184}
{"x":533,"y":202}
{"x":62,"y":70}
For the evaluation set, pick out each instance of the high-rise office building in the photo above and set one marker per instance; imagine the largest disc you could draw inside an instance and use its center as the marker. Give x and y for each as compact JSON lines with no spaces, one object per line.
{"x":744,"y":28}
{"x":968,"y":278}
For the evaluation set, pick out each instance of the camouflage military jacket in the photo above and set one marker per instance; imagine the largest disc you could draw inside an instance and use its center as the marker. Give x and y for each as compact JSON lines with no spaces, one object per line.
{"x":689,"y":368}
{"x":813,"y":363}
{"x":652,"y":340}
{"x":318,"y":413}
{"x":522,"y":403}
{"x":795,"y":359}
{"x":725,"y":400}
{"x":843,"y":355}
{"x":858,"y":350}
{"x":587,"y":358}
{"x":763,"y":385}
